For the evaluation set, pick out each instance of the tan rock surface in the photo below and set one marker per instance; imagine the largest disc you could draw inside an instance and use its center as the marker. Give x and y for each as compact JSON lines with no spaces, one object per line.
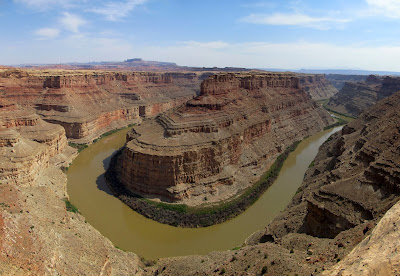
{"x":377,"y":254}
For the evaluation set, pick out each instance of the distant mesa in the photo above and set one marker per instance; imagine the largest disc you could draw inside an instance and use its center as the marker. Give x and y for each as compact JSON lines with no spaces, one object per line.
{"x":134,"y":60}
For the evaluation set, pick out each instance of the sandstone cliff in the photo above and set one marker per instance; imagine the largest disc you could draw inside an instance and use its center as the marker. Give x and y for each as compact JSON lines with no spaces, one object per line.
{"x":220,"y":142}
{"x":317,"y":86}
{"x":88,"y":103}
{"x":354,"y":98}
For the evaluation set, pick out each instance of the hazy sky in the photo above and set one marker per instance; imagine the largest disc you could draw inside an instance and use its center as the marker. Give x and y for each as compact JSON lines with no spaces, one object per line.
{"x":359,"y":34}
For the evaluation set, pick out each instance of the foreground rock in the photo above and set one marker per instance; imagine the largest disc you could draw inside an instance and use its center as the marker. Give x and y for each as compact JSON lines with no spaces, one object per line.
{"x":354,"y":98}
{"x":220,"y":142}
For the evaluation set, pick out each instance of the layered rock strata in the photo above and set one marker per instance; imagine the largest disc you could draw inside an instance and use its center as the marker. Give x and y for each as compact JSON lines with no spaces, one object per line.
{"x":355,"y":178}
{"x":38,"y":236}
{"x":88,"y":103}
{"x":26,"y":144}
{"x":220,"y":142}
{"x":317,"y":86}
{"x":354,"y":98}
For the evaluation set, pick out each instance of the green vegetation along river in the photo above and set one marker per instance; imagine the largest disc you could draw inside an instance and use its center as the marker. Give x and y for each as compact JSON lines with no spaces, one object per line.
{"x":132,"y":232}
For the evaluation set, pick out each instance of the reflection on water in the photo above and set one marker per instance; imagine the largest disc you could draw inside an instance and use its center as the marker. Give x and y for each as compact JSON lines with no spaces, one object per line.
{"x":132,"y":232}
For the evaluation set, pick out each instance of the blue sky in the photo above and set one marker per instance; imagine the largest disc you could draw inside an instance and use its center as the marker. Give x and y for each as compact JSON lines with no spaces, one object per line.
{"x":359,"y":34}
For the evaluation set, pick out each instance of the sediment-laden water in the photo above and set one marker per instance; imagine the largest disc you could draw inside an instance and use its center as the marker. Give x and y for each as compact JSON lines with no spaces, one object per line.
{"x":132,"y":232}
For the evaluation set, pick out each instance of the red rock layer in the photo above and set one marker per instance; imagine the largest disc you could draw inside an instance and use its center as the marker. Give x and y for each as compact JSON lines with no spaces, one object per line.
{"x":87,"y":103}
{"x":219,"y":142}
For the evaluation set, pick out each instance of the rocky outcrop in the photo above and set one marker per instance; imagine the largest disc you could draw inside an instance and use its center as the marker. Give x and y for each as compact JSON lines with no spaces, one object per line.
{"x":26,"y":144}
{"x":88,"y":103}
{"x":317,"y":86}
{"x":220,"y":142}
{"x":38,"y":236}
{"x":354,"y":181}
{"x":354,"y":98}
{"x":377,"y":253}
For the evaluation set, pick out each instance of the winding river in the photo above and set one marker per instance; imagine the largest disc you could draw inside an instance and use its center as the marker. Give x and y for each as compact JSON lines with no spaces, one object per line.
{"x":132,"y":232}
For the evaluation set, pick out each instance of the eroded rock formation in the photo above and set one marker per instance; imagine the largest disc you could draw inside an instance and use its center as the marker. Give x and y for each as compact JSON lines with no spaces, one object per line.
{"x":26,"y":143}
{"x":354,"y":98}
{"x":220,"y":142}
{"x":355,"y":178}
{"x":317,"y":86}
{"x":88,"y":103}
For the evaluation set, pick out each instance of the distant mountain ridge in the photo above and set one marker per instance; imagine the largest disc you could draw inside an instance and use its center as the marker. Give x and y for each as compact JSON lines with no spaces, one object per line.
{"x":335,"y":71}
{"x":133,"y":64}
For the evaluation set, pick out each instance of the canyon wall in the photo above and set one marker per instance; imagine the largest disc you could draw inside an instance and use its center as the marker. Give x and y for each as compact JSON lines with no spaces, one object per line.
{"x":317,"y":86}
{"x":338,"y":80}
{"x":355,"y":178}
{"x":354,"y":98}
{"x":88,"y":103}
{"x":221,"y":141}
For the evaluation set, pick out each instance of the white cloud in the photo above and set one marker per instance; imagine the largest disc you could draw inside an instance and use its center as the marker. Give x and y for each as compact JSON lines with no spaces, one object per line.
{"x":293,"y":19}
{"x":114,"y":11}
{"x":46,"y":4}
{"x":295,"y":55}
{"x":389,"y":8}
{"x":72,"y":22}
{"x":209,"y":45}
{"x":46,"y":33}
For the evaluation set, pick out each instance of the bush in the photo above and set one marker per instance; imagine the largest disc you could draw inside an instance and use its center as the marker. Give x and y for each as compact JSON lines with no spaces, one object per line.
{"x":70,"y":207}
{"x":79,"y":147}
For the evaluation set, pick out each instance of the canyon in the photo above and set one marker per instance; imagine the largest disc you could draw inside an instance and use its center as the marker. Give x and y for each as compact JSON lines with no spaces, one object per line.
{"x":251,"y":117}
{"x":355,"y":97}
{"x":342,"y":221}
{"x":220,"y":142}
